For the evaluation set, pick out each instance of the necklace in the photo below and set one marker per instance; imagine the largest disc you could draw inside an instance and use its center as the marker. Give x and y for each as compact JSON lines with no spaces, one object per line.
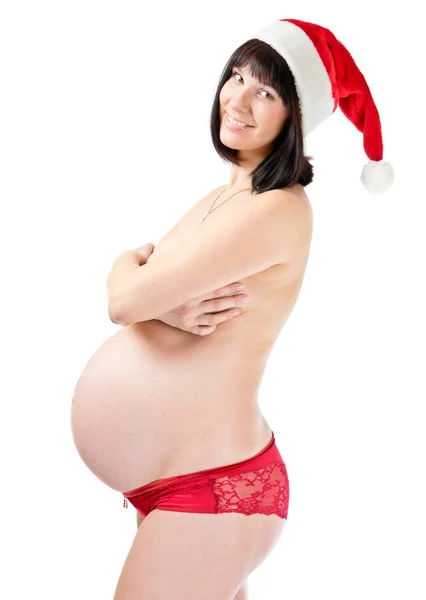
{"x":213,"y":209}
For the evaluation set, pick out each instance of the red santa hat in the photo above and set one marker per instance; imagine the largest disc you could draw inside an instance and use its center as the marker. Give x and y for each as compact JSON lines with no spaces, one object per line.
{"x":326,"y":76}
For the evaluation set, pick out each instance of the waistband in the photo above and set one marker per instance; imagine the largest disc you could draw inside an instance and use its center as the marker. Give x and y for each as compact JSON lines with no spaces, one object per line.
{"x":176,"y":479}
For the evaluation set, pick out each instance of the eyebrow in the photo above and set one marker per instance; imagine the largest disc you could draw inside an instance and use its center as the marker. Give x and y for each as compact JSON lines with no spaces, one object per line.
{"x":244,"y":69}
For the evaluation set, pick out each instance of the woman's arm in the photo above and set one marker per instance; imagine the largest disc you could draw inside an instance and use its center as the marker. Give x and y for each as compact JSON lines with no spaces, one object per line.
{"x":124,"y":264}
{"x":237,"y":242}
{"x":192,"y":316}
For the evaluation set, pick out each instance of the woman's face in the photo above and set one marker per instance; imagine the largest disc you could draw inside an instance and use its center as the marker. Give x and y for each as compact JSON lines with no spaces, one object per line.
{"x":247,"y":100}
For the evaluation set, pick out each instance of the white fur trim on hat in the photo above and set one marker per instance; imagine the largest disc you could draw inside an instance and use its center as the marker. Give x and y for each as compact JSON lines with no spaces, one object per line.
{"x":312,"y":80}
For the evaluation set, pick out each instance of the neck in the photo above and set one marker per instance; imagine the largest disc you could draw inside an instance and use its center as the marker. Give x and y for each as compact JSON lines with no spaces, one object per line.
{"x":239,"y":180}
{"x":240,"y":176}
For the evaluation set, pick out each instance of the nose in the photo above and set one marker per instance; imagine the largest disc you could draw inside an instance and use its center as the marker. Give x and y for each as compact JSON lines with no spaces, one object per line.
{"x":240,"y":102}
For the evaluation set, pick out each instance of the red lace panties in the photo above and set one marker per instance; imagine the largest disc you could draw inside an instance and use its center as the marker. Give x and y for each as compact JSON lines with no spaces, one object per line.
{"x":256,"y":485}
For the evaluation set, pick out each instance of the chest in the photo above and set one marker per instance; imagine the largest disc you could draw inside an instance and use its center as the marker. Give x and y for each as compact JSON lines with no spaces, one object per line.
{"x":186,"y":226}
{"x":272,"y":292}
{"x":265,"y":287}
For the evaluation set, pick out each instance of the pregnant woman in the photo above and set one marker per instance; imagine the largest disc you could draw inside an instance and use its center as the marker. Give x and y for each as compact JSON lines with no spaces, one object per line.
{"x":166,"y":411}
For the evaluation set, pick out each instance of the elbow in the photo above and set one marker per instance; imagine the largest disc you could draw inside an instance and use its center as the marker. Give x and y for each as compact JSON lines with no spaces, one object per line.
{"x":113,"y":311}
{"x":115,"y":314}
{"x":121,"y":315}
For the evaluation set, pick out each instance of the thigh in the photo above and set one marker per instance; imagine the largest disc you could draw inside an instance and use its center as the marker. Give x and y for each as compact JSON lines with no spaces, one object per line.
{"x":139,"y":519}
{"x":189,"y":556}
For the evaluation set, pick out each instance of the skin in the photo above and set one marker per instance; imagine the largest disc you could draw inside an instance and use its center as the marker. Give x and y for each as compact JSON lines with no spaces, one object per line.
{"x":213,"y":418}
{"x":245,"y":99}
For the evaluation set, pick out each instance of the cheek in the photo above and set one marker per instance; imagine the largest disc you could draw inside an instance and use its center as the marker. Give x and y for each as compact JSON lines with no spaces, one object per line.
{"x":224,"y":95}
{"x":266,"y":119}
{"x":276,"y":120}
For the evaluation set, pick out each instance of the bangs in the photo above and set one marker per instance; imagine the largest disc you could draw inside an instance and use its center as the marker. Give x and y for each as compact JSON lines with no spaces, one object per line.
{"x":286,"y":164}
{"x":264,"y":64}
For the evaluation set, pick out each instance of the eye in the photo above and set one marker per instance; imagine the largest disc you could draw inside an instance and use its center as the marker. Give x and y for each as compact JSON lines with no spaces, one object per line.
{"x":235,"y":73}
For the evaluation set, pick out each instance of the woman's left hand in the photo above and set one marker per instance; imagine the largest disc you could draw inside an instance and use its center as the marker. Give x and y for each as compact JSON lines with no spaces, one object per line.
{"x":144,"y":252}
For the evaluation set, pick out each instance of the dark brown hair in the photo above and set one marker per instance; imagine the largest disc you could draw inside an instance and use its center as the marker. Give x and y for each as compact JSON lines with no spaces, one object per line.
{"x":286,"y":164}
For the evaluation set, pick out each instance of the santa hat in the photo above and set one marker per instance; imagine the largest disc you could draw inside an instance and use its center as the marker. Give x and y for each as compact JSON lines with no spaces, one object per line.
{"x":326,"y":76}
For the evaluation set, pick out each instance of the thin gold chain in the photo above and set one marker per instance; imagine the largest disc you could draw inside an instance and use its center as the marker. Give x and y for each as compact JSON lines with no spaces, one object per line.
{"x":214,"y":202}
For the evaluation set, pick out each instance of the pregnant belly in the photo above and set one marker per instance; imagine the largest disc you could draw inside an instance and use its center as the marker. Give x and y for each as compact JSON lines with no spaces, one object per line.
{"x":121,"y":402}
{"x":143,"y":400}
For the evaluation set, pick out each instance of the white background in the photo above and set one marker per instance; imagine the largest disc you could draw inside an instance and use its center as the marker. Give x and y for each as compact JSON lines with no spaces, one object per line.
{"x":105,"y":143}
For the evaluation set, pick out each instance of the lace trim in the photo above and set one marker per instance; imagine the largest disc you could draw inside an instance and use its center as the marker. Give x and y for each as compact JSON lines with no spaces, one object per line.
{"x":264,"y":490}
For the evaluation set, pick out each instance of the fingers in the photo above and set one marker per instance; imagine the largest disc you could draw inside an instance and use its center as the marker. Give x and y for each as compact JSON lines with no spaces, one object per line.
{"x":227,"y":290}
{"x":218,"y":306}
{"x":145,"y":251}
{"x":222,"y":303}
{"x":212,"y":321}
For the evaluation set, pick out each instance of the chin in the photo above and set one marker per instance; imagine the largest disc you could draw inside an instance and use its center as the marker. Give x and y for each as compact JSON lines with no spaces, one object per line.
{"x":230,"y":145}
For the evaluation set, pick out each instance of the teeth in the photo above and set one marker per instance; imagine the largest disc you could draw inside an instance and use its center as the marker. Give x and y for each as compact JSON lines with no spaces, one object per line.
{"x":233,"y":122}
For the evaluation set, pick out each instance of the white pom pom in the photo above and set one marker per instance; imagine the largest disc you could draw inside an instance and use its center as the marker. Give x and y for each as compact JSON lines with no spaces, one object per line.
{"x":377,"y":176}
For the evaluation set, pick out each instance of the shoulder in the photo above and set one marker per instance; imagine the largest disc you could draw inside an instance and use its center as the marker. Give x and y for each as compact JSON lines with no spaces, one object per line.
{"x":295,"y":195}
{"x":277,"y":223}
{"x":289,"y":204}
{"x":290,"y":220}
{"x":291,"y":201}
{"x":280,"y":207}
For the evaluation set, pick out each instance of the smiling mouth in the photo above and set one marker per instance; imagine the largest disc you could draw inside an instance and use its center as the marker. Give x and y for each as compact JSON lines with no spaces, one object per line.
{"x":237,"y":124}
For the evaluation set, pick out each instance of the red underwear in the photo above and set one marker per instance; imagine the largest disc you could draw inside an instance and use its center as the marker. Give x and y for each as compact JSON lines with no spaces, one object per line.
{"x":257,"y":485}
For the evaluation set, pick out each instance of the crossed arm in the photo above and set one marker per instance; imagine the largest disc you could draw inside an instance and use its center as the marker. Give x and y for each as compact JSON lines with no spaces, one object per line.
{"x":241,"y":240}
{"x":124,"y":264}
